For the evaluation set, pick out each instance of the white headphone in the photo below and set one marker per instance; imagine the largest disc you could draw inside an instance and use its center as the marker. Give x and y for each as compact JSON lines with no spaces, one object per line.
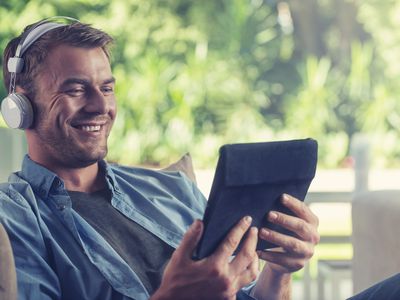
{"x":16,"y":108}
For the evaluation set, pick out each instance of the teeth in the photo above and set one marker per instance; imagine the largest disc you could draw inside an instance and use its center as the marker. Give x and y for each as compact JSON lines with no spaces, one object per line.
{"x":91,"y":128}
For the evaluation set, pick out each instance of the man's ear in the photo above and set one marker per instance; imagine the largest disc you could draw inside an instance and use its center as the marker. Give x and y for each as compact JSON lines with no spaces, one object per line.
{"x":20,"y":90}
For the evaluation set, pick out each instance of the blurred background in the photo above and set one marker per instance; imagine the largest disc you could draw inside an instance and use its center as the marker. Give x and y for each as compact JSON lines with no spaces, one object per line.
{"x":193,"y":75}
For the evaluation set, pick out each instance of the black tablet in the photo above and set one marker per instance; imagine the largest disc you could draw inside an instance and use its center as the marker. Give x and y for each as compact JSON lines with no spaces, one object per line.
{"x":250,"y":179}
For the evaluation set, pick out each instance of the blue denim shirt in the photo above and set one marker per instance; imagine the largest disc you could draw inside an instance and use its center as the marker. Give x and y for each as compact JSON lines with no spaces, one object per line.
{"x":58,"y":255}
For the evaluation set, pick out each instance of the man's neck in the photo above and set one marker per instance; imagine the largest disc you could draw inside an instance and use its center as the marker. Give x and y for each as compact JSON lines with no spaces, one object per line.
{"x":88,"y":179}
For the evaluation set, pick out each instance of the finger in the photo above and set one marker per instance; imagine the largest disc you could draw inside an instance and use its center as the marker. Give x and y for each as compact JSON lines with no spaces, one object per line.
{"x":232,"y":240}
{"x":287,"y":262}
{"x":249,"y":274}
{"x":300,"y":209}
{"x":190,"y":240}
{"x":255,"y":265}
{"x":301,"y":228}
{"x":246,"y":254}
{"x":290,"y":244}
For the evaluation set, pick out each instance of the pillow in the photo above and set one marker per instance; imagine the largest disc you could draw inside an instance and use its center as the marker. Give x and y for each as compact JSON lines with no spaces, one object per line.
{"x":8,"y":280}
{"x":185,"y":165}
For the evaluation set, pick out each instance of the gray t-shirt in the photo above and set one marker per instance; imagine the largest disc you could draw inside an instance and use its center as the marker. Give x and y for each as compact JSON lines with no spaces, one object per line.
{"x":144,"y":252}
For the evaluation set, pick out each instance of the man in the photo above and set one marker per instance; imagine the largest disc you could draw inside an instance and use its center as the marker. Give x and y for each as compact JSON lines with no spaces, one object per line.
{"x":84,"y":229}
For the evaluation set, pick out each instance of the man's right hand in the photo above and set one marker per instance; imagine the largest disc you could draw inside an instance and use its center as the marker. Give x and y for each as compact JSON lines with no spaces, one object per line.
{"x":216,"y":276}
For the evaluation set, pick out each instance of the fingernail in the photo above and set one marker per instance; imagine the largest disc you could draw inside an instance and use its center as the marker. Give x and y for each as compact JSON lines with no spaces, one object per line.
{"x":273,"y":216}
{"x":247,"y":219}
{"x":196,"y":225}
{"x":265,"y":232}
{"x":285,"y":198}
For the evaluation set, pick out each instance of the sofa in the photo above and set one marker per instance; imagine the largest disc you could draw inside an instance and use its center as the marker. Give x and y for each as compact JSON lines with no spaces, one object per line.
{"x":375,"y":237}
{"x":8,"y":280}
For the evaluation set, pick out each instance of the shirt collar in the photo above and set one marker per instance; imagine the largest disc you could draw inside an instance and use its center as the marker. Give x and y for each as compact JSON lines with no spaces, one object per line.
{"x":43,"y":180}
{"x":110,"y":176}
{"x":40,"y":178}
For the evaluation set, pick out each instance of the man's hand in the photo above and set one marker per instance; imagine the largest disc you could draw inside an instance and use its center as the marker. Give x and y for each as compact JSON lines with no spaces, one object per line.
{"x":297,"y":250}
{"x":294,"y":251}
{"x":214,"y":277}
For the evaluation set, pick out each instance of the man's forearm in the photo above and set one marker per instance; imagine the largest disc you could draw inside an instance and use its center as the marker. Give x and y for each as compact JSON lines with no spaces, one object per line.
{"x":272,"y":286}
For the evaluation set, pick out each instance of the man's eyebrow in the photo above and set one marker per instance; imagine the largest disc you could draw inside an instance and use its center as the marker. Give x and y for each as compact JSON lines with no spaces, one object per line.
{"x":73,"y":80}
{"x":82,"y":81}
{"x":110,"y":80}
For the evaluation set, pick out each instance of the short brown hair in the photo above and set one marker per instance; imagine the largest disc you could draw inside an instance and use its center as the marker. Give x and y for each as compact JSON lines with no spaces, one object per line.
{"x":76,"y":34}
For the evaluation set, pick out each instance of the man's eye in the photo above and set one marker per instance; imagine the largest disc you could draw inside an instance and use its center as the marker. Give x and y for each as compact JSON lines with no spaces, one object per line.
{"x":75,"y":91}
{"x":107,"y":90}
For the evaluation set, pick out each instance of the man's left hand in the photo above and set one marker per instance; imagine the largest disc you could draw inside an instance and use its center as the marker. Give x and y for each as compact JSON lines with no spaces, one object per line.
{"x":292,"y":253}
{"x":295,"y":250}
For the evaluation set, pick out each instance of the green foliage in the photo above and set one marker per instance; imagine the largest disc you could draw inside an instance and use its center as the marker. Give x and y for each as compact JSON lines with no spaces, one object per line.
{"x":192,"y":75}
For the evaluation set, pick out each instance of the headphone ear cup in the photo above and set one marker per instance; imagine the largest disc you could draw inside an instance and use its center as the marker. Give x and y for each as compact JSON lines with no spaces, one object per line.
{"x":17,"y":111}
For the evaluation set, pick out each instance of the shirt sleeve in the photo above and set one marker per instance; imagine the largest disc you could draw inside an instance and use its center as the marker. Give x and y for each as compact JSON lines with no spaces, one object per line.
{"x":35,"y":278}
{"x":244,"y":293}
{"x":388,"y":289}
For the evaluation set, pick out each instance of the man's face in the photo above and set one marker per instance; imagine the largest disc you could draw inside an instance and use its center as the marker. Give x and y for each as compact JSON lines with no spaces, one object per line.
{"x":75,"y":107}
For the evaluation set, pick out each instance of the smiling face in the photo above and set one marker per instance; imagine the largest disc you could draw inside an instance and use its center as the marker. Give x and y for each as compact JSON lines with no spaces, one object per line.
{"x":74,"y":108}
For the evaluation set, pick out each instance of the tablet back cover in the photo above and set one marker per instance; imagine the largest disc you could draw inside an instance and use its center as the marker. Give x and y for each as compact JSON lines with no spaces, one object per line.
{"x":250,"y":180}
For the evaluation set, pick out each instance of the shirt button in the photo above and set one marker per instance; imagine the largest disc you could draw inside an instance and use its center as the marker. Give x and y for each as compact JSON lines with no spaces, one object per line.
{"x":61,"y":207}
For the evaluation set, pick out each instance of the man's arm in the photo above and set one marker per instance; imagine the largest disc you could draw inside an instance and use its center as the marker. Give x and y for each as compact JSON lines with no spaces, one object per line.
{"x":274,"y":281}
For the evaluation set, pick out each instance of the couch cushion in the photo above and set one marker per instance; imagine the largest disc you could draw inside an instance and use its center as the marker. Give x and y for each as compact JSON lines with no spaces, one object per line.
{"x":8,"y":282}
{"x":185,"y":165}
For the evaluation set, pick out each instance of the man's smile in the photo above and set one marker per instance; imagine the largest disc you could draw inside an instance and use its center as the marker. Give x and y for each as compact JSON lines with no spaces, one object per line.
{"x":89,"y":127}
{"x":93,"y":126}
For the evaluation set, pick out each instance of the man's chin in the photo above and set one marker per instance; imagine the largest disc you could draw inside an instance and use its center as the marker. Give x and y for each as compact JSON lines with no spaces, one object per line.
{"x":87,"y":159}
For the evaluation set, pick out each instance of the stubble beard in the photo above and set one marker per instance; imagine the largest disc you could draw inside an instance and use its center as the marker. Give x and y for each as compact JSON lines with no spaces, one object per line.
{"x":67,"y":151}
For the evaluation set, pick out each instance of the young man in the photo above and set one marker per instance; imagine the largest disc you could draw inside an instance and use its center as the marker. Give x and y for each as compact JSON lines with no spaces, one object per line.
{"x":83,"y":229}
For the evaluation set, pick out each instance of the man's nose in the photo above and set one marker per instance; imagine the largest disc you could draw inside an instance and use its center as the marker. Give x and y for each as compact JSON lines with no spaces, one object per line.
{"x":97,"y":102}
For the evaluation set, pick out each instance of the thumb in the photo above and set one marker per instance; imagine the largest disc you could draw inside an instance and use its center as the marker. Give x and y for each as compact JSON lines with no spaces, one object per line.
{"x":190,"y":240}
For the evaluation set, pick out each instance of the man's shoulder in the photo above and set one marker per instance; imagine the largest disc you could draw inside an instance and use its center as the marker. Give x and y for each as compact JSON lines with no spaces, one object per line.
{"x":172,"y":183}
{"x":181,"y":169}
{"x":15,"y":190}
{"x":14,"y":180}
{"x":145,"y":173}
{"x":148,"y":179}
{"x":6,"y":187}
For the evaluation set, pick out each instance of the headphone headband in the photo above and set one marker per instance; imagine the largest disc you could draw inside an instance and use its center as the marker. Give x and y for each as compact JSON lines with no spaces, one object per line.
{"x":16,"y":63}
